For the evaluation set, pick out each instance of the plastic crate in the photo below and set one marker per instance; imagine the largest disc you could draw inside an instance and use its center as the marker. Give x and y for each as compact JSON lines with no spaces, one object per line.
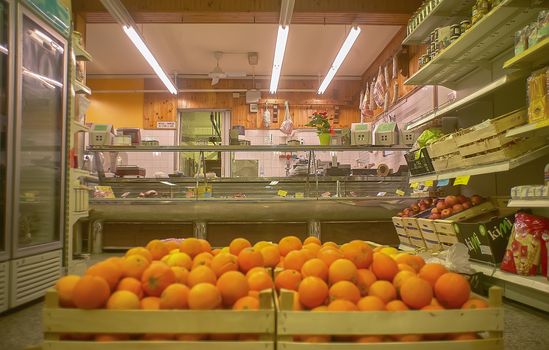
{"x":419,"y":162}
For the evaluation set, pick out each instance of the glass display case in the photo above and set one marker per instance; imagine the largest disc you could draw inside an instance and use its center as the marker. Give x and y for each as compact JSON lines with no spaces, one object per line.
{"x":5,"y":124}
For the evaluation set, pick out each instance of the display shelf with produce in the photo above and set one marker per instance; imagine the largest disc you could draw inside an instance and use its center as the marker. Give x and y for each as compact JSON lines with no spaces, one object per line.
{"x":490,"y":36}
{"x":533,"y":57}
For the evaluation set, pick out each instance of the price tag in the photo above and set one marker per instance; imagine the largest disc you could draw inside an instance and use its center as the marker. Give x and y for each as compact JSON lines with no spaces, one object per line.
{"x":400,"y":192}
{"x":414,"y":185}
{"x":299,"y":195}
{"x":282,"y":193}
{"x":273,"y":183}
{"x":462,"y":180}
{"x":443,"y":182}
{"x":381,"y":194}
{"x":429,"y":183}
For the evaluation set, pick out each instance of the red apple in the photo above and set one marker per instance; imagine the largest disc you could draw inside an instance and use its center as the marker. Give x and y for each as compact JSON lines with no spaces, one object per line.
{"x":435,"y":211}
{"x":457,"y":208}
{"x":406,"y":211}
{"x":427,"y":201}
{"x":450,"y":201}
{"x":441,"y":205}
{"x":476,"y":199}
{"x":467,"y":205}
{"x":415,"y":208}
{"x":434,"y":216}
{"x":446,"y":213}
{"x":462,"y":199}
{"x":423,"y":207}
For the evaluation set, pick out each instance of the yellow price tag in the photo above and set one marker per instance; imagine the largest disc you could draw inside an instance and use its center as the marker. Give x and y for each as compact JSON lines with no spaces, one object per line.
{"x":299,"y":195}
{"x":399,"y":192}
{"x":429,"y":183}
{"x":414,"y":185}
{"x":282,"y":193}
{"x":462,"y":180}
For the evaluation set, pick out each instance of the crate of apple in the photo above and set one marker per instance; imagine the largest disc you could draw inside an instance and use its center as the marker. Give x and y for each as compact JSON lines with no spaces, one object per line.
{"x":451,"y":205}
{"x":421,"y":206}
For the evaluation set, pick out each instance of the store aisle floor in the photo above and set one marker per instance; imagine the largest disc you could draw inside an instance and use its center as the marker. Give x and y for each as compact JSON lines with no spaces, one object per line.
{"x":526,"y":329}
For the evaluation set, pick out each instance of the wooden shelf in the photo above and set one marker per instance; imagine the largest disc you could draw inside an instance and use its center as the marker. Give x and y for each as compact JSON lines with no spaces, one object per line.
{"x":464,"y":102}
{"x":445,"y":13}
{"x":534,"y":127}
{"x":80,"y":88}
{"x":485,"y":168}
{"x":80,"y":53}
{"x":485,"y":40}
{"x":251,"y":148}
{"x":529,"y":203}
{"x":534,"y":57}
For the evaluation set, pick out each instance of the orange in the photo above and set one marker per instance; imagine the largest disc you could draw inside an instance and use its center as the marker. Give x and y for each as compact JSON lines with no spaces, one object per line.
{"x":435,"y":302}
{"x":344,"y":290}
{"x":452,"y":290}
{"x":246,"y":303}
{"x":108,"y":270}
{"x":396,"y":305}
{"x":158,"y":249}
{"x":369,"y":339}
{"x":134,"y":265}
{"x":312,"y":239}
{"x":140,"y":251}
{"x":181,"y":274}
{"x":201,"y":274}
{"x":330,"y":244}
{"x":190,"y":246}
{"x":206,"y":246}
{"x":407,"y":337}
{"x":432,"y":307}
{"x":463,"y":336}
{"x":329,"y":255}
{"x":416,"y":292}
{"x":342,"y":305}
{"x":295,"y":260}
{"x":384,"y":290}
{"x":150,"y":303}
{"x":216,"y":251}
{"x":271,"y":255}
{"x":342,"y":270}
{"x":400,"y":278}
{"x":371,"y":303}
{"x":65,"y":286}
{"x":384,"y":267}
{"x":261,"y":244}
{"x":296,"y":306}
{"x":431,"y":272}
{"x":232,"y":285}
{"x":254,"y":293}
{"x":359,"y":253}
{"x":315,"y":267}
{"x":156,"y":278}
{"x":117,"y":260}
{"x":204,"y":296}
{"x":405,"y":267}
{"x":288,"y":279}
{"x":180,"y":259}
{"x":202,"y":259}
{"x":224,"y":262}
{"x":289,"y":243}
{"x":410,"y":260}
{"x":238,"y":244}
{"x":474,"y":303}
{"x":111,"y":337}
{"x":365,"y":278}
{"x":308,"y":254}
{"x":256,"y":269}
{"x":312,"y":292}
{"x":312,"y":248}
{"x":172,"y":245}
{"x":175,"y":296}
{"x":249,"y":258}
{"x":419,"y":262}
{"x":260,"y":280}
{"x":123,"y":300}
{"x":131,"y":285}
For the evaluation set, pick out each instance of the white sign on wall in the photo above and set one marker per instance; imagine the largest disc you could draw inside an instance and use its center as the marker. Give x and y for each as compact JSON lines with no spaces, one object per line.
{"x":165,"y":125}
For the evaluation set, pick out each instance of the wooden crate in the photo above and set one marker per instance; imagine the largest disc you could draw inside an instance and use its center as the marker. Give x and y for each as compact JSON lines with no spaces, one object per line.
{"x":401,"y":231}
{"x":57,"y":321}
{"x":507,"y":152}
{"x":290,"y":323}
{"x":445,"y":233}
{"x":486,"y":145}
{"x":447,"y":162}
{"x":413,"y":231}
{"x":428,"y":231}
{"x":443,"y":146}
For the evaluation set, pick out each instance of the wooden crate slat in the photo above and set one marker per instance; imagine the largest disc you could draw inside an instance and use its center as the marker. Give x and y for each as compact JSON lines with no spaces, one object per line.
{"x":157,"y":345}
{"x":482,"y":344}
{"x":405,"y":322}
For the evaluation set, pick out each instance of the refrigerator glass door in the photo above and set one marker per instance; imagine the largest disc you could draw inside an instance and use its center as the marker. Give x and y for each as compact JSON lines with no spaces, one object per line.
{"x":40,"y":137}
{"x":5,"y":113}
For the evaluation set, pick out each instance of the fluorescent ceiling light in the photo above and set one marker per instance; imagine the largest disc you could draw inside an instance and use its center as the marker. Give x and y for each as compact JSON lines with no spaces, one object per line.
{"x":345,"y":48}
{"x":281,"y":39}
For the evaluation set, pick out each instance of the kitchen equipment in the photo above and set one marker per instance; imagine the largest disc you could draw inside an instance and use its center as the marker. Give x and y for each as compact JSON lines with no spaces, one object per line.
{"x":133,"y":133}
{"x":122,"y":140}
{"x":101,"y":134}
{"x":361,"y":134}
{"x":130,"y":170}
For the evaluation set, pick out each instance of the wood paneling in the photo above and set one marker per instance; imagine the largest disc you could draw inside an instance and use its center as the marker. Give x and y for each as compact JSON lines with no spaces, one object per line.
{"x":158,"y":108}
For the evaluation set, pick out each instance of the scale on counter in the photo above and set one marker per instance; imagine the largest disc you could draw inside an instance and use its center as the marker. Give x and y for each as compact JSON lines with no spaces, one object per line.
{"x":101,"y":135}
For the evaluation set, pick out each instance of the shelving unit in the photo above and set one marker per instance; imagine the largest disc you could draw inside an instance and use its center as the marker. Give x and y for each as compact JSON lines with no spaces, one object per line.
{"x":80,"y":53}
{"x":80,"y":88}
{"x":485,"y":40}
{"x":446,"y":12}
{"x":77,"y":126}
{"x":251,"y":148}
{"x":542,"y":126}
{"x":532,"y":57}
{"x":485,"y":168}
{"x":529,"y":203}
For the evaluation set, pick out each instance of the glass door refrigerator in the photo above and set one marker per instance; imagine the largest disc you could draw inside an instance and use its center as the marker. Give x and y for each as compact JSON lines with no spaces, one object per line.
{"x":39,"y":157}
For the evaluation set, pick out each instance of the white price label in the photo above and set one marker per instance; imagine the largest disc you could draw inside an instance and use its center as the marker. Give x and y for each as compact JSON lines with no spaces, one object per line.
{"x":165,"y":125}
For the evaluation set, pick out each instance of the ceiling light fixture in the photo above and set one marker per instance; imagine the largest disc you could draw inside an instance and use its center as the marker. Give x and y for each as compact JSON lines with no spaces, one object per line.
{"x":122,"y":16}
{"x":286,"y":11}
{"x":345,"y":48}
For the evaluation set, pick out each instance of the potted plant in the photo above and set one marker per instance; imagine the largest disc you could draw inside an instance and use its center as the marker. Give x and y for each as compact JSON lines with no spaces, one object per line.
{"x":319,"y":120}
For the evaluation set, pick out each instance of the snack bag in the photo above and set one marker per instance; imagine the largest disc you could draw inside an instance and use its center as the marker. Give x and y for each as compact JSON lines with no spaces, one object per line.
{"x":525,"y":248}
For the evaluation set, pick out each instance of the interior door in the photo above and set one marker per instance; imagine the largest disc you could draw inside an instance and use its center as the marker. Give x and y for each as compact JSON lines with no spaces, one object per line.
{"x":40,"y":137}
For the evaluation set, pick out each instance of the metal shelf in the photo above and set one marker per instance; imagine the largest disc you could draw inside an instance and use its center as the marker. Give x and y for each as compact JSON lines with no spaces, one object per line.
{"x":485,"y":40}
{"x":529,"y":203}
{"x":80,"y":53}
{"x":534,"y":57}
{"x":244,"y":148}
{"x":445,"y":13}
{"x":459,"y":104}
{"x":80,"y":88}
{"x":539,"y":283}
{"x":79,"y":127}
{"x":485,"y":168}
{"x":528,"y":128}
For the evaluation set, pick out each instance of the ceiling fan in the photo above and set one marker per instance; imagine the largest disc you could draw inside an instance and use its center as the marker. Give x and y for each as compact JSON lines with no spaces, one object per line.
{"x":217,"y":73}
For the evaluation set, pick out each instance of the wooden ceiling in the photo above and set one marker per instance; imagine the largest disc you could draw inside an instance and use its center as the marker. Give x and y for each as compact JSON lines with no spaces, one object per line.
{"x":361,"y":12}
